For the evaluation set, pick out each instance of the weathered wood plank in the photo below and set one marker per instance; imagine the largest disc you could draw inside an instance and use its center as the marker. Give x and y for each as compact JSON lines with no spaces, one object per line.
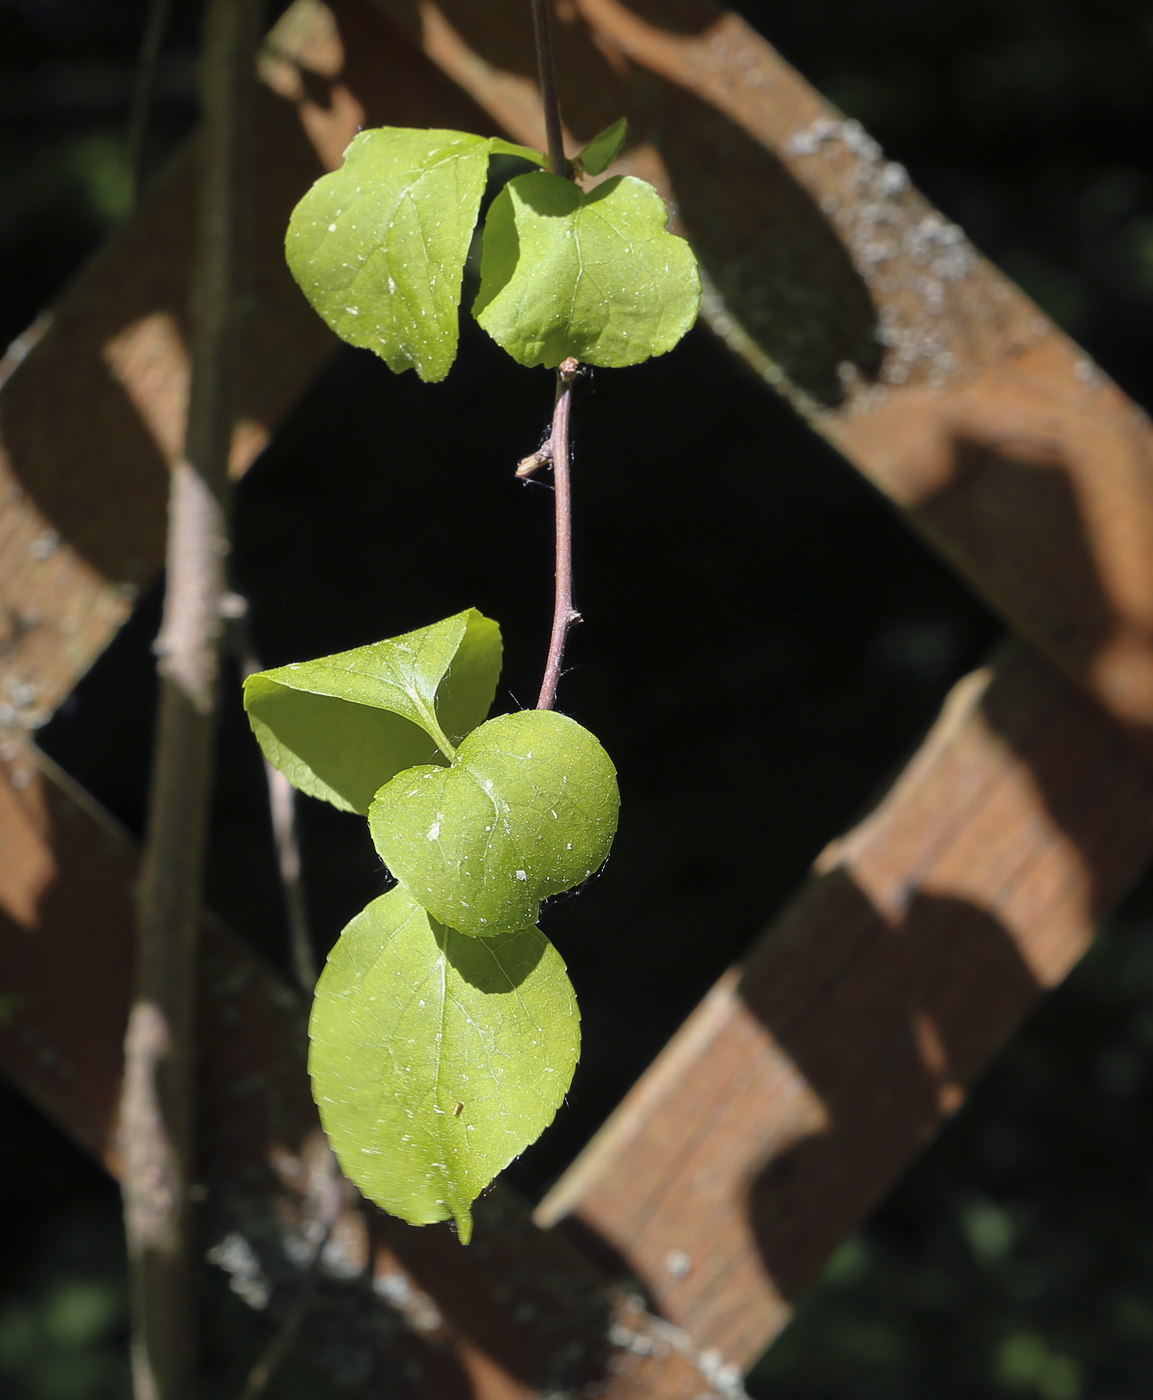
{"x":931,"y":373}
{"x":91,"y":420}
{"x":519,"y":1314}
{"x":936,"y":379}
{"x":806,"y":1081}
{"x":934,"y":376}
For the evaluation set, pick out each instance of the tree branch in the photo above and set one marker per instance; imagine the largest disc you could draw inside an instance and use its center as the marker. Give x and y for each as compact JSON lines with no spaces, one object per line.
{"x":155,"y":1130}
{"x":564,"y":615}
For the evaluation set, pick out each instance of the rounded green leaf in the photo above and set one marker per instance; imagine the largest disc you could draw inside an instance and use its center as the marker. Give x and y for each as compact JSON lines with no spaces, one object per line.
{"x":341,"y":726}
{"x":436,"y":1059}
{"x":595,"y":276}
{"x":379,"y":245}
{"x":528,"y":809}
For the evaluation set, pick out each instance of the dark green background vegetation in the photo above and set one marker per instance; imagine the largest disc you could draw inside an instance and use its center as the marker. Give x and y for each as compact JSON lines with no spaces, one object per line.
{"x":764,"y":644}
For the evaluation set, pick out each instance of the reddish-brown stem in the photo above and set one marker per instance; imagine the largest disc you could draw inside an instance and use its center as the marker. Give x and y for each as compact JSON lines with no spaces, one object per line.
{"x":564,"y":614}
{"x":557,"y":448}
{"x":558,"y":161}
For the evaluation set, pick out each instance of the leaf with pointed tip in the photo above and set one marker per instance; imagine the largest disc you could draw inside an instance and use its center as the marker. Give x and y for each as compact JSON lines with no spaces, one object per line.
{"x":528,"y":809}
{"x":597,"y":276}
{"x":379,"y":245}
{"x":435,"y":1058}
{"x":340,"y":727}
{"x":604,"y":148}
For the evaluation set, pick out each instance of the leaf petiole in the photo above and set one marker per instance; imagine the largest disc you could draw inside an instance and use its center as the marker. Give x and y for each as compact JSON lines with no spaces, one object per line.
{"x":439,"y":737}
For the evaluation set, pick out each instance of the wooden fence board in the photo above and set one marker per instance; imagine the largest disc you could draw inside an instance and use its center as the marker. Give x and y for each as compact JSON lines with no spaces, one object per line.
{"x":91,"y":420}
{"x":774,"y":1121}
{"x":521,"y":1313}
{"x":934,"y":376}
{"x":806,"y":1082}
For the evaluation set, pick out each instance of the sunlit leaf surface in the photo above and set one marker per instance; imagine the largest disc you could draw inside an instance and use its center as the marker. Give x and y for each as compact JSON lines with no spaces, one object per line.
{"x":528,"y":810}
{"x":437,"y":1058}
{"x":596,"y":276}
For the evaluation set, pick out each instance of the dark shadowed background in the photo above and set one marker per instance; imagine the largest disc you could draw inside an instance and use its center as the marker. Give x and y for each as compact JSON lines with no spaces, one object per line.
{"x":764,"y":644}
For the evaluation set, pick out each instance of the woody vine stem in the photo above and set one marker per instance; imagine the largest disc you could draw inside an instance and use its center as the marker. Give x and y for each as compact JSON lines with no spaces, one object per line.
{"x":564,"y":614}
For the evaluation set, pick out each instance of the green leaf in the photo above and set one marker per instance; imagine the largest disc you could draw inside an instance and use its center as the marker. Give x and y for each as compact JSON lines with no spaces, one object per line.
{"x":378,"y":246}
{"x":602,"y":150}
{"x":528,"y":809}
{"x":596,"y":276}
{"x":340,"y":727}
{"x":436,"y":1059}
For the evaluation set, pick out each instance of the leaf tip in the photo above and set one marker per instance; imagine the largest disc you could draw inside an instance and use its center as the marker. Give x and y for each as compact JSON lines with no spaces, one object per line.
{"x":463,"y":1218}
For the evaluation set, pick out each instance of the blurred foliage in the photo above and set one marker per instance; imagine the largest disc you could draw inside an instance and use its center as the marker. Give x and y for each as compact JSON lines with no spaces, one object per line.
{"x":1016,"y":1260}
{"x":63,"y":1288}
{"x":65,"y":1341}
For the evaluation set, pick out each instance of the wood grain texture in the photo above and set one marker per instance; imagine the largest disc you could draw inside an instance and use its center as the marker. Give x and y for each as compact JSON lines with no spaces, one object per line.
{"x":807,"y":1080}
{"x":804,"y":1083}
{"x":94,"y":417}
{"x":521,"y":1313}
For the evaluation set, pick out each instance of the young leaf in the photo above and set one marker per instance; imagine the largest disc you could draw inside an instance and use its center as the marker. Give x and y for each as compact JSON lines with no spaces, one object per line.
{"x":596,"y":276}
{"x":340,"y":727}
{"x":379,"y":245}
{"x":435,"y":1058}
{"x":602,"y":150}
{"x":528,"y":809}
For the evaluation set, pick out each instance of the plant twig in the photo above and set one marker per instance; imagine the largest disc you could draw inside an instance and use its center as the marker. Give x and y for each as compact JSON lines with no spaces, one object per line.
{"x":155,"y":25}
{"x":155,"y":1129}
{"x":564,"y":614}
{"x":282,"y":813}
{"x":282,"y":809}
{"x":558,"y":161}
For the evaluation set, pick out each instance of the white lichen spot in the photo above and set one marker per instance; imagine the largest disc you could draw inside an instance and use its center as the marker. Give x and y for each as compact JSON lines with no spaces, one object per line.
{"x":332,"y":228}
{"x":434,"y":831}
